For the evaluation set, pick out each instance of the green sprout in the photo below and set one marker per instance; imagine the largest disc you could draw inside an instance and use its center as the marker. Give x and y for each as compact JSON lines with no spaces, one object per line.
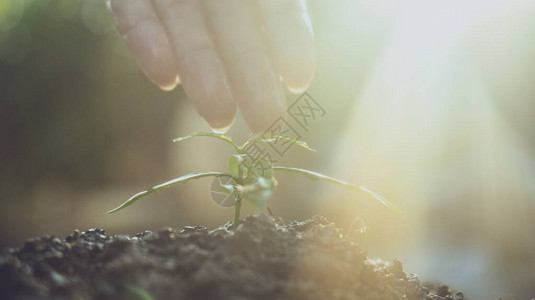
{"x":250,"y":178}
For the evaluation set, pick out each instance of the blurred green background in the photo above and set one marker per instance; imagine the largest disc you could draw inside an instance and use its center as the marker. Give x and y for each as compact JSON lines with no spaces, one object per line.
{"x":76,"y":113}
{"x":429,"y":104}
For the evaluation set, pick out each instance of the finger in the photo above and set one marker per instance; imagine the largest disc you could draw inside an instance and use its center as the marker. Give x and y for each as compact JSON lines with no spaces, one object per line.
{"x":291,"y":41}
{"x":200,"y":68}
{"x":145,"y":36}
{"x":255,"y":84}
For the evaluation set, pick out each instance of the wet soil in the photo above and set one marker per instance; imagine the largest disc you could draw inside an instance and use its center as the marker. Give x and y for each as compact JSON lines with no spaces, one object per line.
{"x":263,"y":259}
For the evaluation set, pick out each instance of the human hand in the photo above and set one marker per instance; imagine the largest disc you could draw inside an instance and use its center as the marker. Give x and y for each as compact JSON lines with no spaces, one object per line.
{"x":225,"y":53}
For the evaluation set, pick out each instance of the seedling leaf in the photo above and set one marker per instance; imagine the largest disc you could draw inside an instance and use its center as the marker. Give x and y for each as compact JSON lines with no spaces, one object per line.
{"x":157,"y":188}
{"x":233,"y":163}
{"x":259,"y":193}
{"x":263,"y":137}
{"x":253,"y":176}
{"x":317,"y":176}
{"x":209,"y":134}
{"x":260,"y":168}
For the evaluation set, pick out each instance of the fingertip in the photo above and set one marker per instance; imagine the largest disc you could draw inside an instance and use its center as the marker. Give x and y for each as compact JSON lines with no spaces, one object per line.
{"x":258,"y":92}
{"x":205,"y":84}
{"x":147,"y":39}
{"x":296,"y":90}
{"x":291,"y":42}
{"x":219,"y":127}
{"x":297,"y":74}
{"x":265,"y":110}
{"x":221,"y":114}
{"x":221,"y":117}
{"x":295,"y":61}
{"x":258,"y":125}
{"x":169,"y":86}
{"x":158,"y":64}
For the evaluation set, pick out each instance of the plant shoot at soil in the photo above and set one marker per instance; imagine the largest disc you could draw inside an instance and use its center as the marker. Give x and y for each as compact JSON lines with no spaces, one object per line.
{"x":251,"y":179}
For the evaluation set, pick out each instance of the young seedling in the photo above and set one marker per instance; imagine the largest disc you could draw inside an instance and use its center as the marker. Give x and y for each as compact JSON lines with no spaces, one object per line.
{"x":250,"y":178}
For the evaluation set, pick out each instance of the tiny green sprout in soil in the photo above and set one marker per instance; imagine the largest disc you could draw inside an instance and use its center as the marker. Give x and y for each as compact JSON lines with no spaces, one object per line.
{"x":251,"y":179}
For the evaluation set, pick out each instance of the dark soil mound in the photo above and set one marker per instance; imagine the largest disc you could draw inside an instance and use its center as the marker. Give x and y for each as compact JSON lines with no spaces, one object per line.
{"x":260,"y":260}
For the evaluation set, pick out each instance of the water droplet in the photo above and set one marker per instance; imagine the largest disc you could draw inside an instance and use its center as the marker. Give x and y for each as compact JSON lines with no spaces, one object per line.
{"x":222,"y":130}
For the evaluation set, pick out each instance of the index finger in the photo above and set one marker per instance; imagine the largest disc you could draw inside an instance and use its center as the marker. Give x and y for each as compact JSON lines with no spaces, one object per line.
{"x":146,"y":37}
